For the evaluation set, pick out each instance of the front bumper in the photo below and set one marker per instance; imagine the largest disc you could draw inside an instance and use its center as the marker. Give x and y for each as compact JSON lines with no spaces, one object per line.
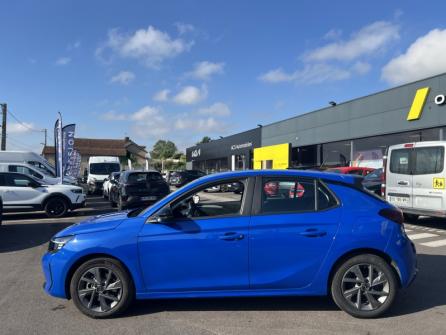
{"x":78,"y":205}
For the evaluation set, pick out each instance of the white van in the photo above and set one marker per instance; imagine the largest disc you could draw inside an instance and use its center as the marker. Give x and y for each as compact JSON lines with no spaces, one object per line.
{"x":99,"y":168}
{"x":415,"y":178}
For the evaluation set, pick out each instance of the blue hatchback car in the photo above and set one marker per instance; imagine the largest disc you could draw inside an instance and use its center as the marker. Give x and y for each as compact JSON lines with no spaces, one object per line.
{"x":272,"y":233}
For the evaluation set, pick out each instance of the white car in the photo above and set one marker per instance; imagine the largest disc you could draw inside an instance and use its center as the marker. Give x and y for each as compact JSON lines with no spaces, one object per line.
{"x":43,"y":176}
{"x":21,"y":192}
{"x":108,"y":183}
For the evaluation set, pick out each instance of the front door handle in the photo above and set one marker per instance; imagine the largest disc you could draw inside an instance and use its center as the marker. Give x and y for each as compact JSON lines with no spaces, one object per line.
{"x":232,"y":236}
{"x":313,"y":233}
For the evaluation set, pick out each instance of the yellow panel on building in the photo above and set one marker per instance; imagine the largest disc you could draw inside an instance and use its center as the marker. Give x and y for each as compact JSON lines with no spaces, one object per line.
{"x":274,"y":157}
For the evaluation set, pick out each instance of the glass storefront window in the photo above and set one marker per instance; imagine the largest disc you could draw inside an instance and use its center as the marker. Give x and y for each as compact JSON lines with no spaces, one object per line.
{"x":336,"y":154}
{"x":369,"y":151}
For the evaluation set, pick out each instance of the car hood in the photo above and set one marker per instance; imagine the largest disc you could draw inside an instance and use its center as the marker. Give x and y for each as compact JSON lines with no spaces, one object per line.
{"x":95,"y":224}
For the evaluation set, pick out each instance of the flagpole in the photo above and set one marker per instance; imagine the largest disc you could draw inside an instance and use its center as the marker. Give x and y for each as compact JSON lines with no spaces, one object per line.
{"x":59,"y":135}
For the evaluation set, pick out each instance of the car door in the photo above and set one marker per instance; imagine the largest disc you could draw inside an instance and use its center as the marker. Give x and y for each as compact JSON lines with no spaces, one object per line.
{"x":428,"y":178}
{"x":203,"y":247}
{"x":21,"y":190}
{"x":399,"y":177}
{"x":291,"y":232}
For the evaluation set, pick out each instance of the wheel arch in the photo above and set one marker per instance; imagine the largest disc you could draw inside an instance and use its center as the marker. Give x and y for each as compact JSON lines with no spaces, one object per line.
{"x":86,"y":258}
{"x":361,"y":251}
{"x":57,"y":195}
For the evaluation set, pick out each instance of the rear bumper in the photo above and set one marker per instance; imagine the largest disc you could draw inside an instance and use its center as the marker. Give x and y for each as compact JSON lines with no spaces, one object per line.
{"x":424,"y":212}
{"x":136,"y":201}
{"x":404,"y":257}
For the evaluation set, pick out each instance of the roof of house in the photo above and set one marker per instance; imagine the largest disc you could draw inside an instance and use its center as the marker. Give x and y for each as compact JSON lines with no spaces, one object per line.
{"x":100,"y":147}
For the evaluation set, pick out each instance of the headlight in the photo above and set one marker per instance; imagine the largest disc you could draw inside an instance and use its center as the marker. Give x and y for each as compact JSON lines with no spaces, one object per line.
{"x":76,"y":190}
{"x":57,"y":243}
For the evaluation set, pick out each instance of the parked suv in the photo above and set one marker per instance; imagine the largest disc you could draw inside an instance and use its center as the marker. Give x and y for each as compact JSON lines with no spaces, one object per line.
{"x":21,"y":192}
{"x":180,"y":178}
{"x":138,"y":188}
{"x":334,"y":238}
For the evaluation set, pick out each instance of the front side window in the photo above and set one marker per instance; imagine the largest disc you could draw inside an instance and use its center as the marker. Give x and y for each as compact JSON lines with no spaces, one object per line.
{"x":216,"y":200}
{"x":24,"y":170}
{"x":399,"y":161}
{"x":20,"y":181}
{"x":428,"y":160}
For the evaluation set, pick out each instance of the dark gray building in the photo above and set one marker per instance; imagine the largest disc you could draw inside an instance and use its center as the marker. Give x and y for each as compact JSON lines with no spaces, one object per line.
{"x":357,"y":132}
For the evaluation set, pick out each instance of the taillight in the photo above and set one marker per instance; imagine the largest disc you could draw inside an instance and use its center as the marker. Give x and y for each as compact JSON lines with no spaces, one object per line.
{"x":392,"y":214}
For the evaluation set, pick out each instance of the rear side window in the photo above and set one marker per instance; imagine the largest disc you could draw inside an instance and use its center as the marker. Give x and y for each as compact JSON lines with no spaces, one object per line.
{"x":24,"y":170}
{"x":399,"y":161}
{"x":428,"y":160}
{"x":288,"y":196}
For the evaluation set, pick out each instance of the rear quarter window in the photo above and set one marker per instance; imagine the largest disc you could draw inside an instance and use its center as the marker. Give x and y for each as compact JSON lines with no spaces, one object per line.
{"x":399,"y":161}
{"x":428,"y":160}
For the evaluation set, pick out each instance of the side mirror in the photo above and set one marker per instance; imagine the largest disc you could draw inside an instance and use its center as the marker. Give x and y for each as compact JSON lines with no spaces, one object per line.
{"x":105,"y":179}
{"x":164,"y":215}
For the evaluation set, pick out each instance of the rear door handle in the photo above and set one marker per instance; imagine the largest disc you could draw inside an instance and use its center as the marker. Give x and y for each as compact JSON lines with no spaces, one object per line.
{"x":403,"y":183}
{"x":313,"y":233}
{"x":232,"y":236}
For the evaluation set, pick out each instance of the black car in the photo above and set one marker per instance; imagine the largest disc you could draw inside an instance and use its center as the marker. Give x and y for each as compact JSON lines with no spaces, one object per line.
{"x":373,"y":181}
{"x":180,"y":178}
{"x":138,"y":188}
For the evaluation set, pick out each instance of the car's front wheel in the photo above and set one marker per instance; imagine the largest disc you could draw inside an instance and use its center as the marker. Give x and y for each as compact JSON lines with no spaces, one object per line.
{"x":364,"y":286}
{"x":101,"y":288}
{"x":56,"y":207}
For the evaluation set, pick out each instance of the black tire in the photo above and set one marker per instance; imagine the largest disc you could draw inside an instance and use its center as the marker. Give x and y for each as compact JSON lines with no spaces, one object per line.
{"x":56,"y":207}
{"x":124,"y":299}
{"x":388,"y":291}
{"x":411,"y":217}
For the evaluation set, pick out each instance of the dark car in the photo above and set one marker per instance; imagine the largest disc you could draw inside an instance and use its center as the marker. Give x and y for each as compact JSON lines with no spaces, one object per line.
{"x":180,"y":178}
{"x":373,"y":181}
{"x":138,"y":188}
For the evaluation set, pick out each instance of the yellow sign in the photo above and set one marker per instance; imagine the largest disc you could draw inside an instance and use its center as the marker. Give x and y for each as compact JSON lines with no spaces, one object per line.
{"x":272,"y":157}
{"x":418,"y":103}
{"x":438,"y":183}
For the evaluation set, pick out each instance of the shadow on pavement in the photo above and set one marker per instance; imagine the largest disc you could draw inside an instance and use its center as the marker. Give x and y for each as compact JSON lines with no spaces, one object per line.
{"x":429,"y":222}
{"x":427,"y":292}
{"x":15,"y":237}
{"x":233,"y":304}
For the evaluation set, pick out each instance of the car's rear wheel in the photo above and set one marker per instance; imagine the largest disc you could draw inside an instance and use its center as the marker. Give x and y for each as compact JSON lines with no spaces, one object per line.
{"x":56,"y":207}
{"x":364,"y":286}
{"x":101,"y":288}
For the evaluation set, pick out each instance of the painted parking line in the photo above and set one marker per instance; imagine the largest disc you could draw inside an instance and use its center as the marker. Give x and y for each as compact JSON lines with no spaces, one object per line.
{"x":434,"y":244}
{"x":421,"y":235}
{"x":408,"y":230}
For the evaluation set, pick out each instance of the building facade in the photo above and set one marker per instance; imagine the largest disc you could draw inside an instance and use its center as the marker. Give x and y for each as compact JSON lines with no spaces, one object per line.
{"x":230,"y":153}
{"x":125,"y":149}
{"x":356,"y":132}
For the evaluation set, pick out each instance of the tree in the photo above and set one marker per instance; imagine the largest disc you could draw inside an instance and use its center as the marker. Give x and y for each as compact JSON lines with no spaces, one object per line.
{"x":205,"y":139}
{"x":163,"y":150}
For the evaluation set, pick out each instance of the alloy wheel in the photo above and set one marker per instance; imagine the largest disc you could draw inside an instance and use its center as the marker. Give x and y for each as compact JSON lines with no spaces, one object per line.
{"x":365,"y":287}
{"x":99,"y":289}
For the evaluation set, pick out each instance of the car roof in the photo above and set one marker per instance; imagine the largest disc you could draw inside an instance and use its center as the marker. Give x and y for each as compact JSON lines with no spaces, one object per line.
{"x":335,"y":177}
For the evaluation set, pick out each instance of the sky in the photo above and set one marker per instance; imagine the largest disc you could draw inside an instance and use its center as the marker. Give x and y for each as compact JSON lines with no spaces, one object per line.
{"x":181,"y":70}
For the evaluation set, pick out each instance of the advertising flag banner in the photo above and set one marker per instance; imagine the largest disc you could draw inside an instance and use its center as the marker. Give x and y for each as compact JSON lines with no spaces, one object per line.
{"x":58,"y":147}
{"x":74,"y":168}
{"x":68,"y":148}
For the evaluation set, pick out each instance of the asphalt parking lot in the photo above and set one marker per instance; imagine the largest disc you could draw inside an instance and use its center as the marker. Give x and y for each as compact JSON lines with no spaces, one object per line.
{"x":26,"y":309}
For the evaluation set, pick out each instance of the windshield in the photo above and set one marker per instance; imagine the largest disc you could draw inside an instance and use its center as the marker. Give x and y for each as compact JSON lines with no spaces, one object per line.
{"x":104,"y":168}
